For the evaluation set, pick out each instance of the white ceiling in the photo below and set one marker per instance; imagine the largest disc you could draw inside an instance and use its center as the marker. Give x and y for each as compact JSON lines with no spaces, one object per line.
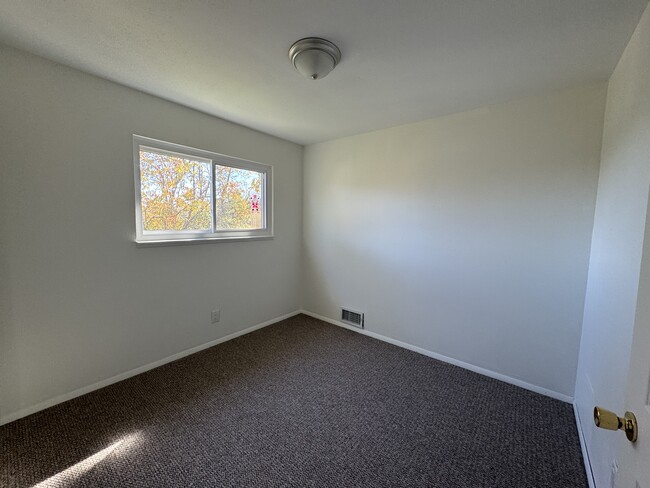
{"x":403,"y":61}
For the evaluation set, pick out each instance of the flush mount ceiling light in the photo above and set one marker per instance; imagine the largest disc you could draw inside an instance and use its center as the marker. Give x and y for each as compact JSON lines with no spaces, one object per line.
{"x":314,"y":57}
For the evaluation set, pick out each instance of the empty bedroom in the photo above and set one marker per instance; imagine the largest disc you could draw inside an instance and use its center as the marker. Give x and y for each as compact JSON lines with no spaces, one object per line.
{"x":325,"y":244}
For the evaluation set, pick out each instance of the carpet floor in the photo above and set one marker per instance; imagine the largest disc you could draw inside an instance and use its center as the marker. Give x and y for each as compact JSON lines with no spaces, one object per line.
{"x":299,"y":403}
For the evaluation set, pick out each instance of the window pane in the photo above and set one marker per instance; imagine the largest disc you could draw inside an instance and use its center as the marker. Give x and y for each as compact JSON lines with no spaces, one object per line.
{"x":175,"y":192}
{"x":239,"y":202}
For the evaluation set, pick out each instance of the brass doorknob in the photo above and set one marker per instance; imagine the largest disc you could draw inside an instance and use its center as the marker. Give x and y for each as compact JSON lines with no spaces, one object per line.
{"x":610,"y":421}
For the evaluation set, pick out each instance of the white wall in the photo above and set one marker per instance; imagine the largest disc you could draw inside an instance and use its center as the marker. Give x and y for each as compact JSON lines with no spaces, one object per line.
{"x":78,"y":301}
{"x":617,"y":246}
{"x":466,"y":235}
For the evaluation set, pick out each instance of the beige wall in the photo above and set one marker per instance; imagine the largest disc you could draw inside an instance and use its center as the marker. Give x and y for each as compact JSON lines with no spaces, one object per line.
{"x":79,"y":303}
{"x":467,"y":235}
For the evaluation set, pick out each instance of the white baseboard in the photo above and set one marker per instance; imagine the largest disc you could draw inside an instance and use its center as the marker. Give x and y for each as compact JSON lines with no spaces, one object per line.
{"x":24,"y":412}
{"x":583,"y":447}
{"x":455,"y":362}
{"x":128,"y":374}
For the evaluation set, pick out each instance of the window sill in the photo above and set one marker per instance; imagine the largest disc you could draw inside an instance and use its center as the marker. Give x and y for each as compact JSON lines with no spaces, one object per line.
{"x":207,"y":240}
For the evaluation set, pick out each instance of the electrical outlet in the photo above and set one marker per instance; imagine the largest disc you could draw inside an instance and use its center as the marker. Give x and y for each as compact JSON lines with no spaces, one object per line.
{"x":215,"y":316}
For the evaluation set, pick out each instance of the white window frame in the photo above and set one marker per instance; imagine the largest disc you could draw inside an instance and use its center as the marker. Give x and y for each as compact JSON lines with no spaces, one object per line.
{"x":143,"y":237}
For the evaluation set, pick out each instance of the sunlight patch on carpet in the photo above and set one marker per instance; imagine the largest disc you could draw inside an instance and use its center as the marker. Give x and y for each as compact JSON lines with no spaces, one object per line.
{"x":75,"y":471}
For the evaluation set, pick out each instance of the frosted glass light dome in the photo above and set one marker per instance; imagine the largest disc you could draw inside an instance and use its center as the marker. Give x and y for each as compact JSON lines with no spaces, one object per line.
{"x":314,"y":57}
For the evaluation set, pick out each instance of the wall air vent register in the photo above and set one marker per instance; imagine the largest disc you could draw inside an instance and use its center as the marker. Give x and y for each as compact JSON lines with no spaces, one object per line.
{"x":352,"y":318}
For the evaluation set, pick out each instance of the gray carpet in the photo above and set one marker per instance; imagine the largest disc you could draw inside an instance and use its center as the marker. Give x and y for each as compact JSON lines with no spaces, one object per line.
{"x":300,"y":403}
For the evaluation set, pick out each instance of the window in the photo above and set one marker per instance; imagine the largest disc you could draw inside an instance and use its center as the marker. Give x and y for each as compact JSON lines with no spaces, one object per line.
{"x":185,"y":194}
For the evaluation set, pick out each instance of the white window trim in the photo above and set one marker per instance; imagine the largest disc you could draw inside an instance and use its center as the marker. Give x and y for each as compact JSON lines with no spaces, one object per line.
{"x":150,"y":238}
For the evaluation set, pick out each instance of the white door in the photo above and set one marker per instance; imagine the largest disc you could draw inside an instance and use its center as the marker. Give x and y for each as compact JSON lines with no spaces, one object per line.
{"x":634,"y":458}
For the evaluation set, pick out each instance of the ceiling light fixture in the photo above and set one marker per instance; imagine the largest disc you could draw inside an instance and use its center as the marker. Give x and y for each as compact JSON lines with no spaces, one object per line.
{"x":314,"y":57}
